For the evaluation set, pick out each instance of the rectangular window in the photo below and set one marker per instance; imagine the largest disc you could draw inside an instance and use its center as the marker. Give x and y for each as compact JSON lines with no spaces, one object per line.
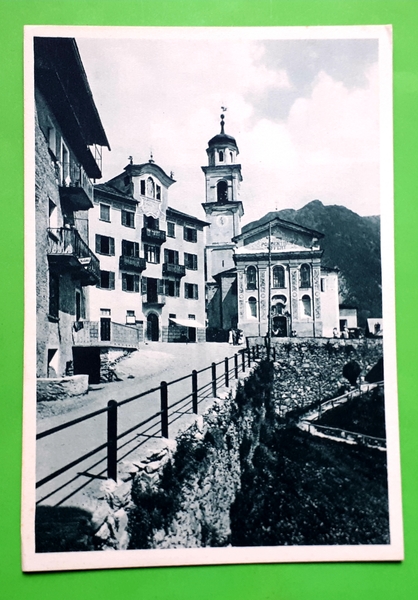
{"x":105,"y":212}
{"x":172,"y":288}
{"x":151,"y":223}
{"x":190,"y":234}
{"x":52,"y":140}
{"x":54,"y":295}
{"x":190,"y":261}
{"x":171,"y":316}
{"x":107,"y":280}
{"x":191,"y":291}
{"x":152,"y":253}
{"x":130,"y":248}
{"x":128,"y":218}
{"x":53,"y":215}
{"x":142,"y":187}
{"x":130,"y":317}
{"x":191,"y":317}
{"x":171,"y":256}
{"x":130,"y":282}
{"x":105,"y":312}
{"x":105,"y":245}
{"x":158,"y":192}
{"x":171,"y":229}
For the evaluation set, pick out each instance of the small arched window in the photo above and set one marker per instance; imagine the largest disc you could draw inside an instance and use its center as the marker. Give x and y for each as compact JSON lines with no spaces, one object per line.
{"x":222,"y":191}
{"x":278,"y":277}
{"x":306,"y":306}
{"x":305,"y":276}
{"x":251,"y":278}
{"x":221,"y":156}
{"x":252,"y":307}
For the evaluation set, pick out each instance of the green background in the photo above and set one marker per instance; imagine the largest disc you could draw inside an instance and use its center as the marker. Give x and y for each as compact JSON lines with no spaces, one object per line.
{"x":310,"y":581}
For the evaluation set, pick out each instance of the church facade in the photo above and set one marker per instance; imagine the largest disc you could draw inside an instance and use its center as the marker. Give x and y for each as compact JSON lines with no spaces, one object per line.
{"x":266,"y":277}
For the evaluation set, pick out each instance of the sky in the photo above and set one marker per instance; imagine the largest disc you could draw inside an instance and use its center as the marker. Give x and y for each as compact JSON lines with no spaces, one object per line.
{"x":304,"y":113}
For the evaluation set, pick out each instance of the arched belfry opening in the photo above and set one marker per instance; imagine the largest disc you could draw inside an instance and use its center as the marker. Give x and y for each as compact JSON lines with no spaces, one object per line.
{"x":222,"y":191}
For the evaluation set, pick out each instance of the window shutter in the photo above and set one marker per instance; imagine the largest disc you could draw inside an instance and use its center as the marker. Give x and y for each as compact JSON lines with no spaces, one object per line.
{"x":124,"y":286}
{"x":111,"y":280}
{"x":160,"y":287}
{"x":196,"y":292}
{"x":166,"y":255}
{"x":98,"y":242}
{"x":112,"y":246}
{"x":123,"y":247}
{"x":143,"y":285}
{"x":195,"y":262}
{"x":136,"y":283}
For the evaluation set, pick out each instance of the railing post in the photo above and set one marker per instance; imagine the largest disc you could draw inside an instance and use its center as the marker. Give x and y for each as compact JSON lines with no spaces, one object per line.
{"x":243,"y":360}
{"x":214,"y":380}
{"x":194,"y":391}
{"x":226,"y":372}
{"x":236,"y":365}
{"x":164,"y":409}
{"x":112,"y":440}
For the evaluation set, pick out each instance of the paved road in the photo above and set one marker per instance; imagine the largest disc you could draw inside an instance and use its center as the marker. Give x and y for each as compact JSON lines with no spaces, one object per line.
{"x":145,"y":369}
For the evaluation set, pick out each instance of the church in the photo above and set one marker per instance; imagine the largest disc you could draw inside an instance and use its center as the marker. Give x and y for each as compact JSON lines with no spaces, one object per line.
{"x":265,"y":277}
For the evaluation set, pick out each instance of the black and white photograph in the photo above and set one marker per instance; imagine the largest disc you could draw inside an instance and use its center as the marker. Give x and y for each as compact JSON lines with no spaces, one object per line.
{"x":210,"y":348}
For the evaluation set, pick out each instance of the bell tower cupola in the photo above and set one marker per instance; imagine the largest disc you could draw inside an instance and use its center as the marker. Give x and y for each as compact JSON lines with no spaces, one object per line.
{"x":223,"y":207}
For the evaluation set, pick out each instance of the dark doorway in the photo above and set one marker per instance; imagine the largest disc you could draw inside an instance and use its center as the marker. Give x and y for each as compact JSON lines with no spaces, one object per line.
{"x":87,"y":362}
{"x":152,"y":290}
{"x":279,"y":327}
{"x":152,"y":327}
{"x":192,"y":334}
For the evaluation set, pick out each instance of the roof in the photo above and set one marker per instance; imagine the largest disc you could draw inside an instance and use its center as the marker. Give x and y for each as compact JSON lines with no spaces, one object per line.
{"x":152,"y":168}
{"x":223,"y":139}
{"x":271,"y":217}
{"x":60,"y":76}
{"x":109,"y":189}
{"x":181,"y":215}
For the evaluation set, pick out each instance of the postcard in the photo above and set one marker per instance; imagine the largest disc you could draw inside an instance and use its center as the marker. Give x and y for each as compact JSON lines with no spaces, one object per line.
{"x":210,"y":349}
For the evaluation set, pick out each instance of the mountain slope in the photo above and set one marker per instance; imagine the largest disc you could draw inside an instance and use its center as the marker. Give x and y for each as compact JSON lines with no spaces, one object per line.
{"x":351,"y":243}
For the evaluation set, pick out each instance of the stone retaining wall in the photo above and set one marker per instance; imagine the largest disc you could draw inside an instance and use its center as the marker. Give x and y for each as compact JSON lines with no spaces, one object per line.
{"x":180,"y":494}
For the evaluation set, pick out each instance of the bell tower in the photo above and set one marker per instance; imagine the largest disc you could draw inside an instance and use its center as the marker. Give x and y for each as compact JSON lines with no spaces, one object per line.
{"x":222,"y":207}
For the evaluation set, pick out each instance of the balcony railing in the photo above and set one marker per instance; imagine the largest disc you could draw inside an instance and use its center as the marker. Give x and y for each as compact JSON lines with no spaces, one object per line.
{"x":132,"y":263}
{"x":67,"y":249}
{"x":90,"y":333}
{"x":75,"y":186}
{"x":154,"y":236}
{"x":173,"y":269}
{"x":156,"y":299}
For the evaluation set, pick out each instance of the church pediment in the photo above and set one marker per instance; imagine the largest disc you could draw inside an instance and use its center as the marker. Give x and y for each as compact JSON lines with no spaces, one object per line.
{"x":277,"y":245}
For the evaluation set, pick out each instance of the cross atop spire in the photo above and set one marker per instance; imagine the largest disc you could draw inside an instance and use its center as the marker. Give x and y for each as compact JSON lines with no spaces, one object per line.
{"x":224,"y":109}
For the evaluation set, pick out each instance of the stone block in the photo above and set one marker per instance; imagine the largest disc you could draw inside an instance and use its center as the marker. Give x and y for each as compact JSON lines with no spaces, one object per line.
{"x":59,"y":388}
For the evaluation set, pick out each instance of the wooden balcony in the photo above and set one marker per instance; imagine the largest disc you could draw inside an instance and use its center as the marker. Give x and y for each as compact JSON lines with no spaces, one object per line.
{"x":67,"y":250}
{"x":132,"y":263}
{"x":153,"y":236}
{"x":76,"y":188}
{"x":173,"y":269}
